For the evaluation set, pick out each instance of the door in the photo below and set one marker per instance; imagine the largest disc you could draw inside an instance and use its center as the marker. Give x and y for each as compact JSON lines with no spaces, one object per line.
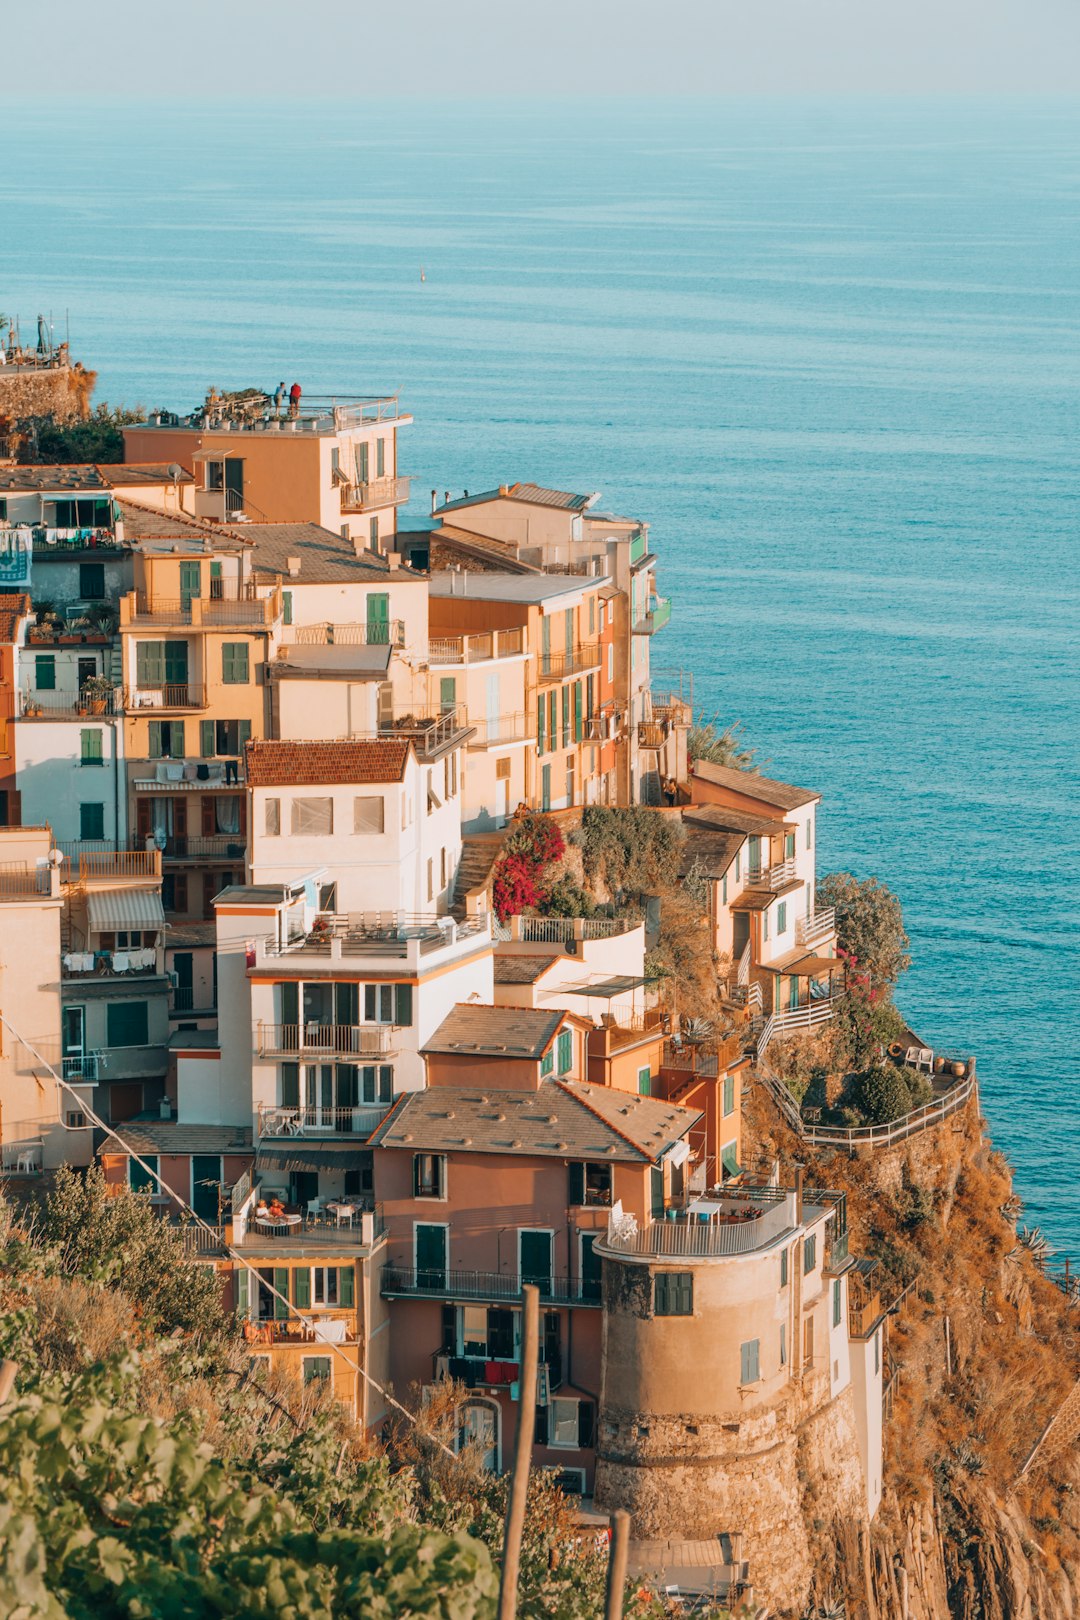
{"x":87,"y":671}
{"x":184,"y":985}
{"x":74,"y":1039}
{"x":590,"y":1267}
{"x":754,"y":856}
{"x":545,"y":786}
{"x":502,"y":801}
{"x":189,"y":583}
{"x":430,"y":1256}
{"x":176,"y":670}
{"x":234,"y":484}
{"x":378,"y":619}
{"x":447,"y":694}
{"x":535,"y":1256}
{"x":206,"y":1185}
{"x":793,"y":994}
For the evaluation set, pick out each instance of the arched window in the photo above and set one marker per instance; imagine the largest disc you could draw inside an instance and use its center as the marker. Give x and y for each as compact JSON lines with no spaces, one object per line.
{"x":479,"y":1425}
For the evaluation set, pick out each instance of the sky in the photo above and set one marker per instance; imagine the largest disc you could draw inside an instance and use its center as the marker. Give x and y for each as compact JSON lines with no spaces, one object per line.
{"x":284,"y":49}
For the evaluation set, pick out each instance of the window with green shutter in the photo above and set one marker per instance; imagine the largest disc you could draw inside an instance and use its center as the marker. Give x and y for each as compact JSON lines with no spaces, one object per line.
{"x":91,"y":821}
{"x":729,"y":1159}
{"x":579,"y":723}
{"x":140,"y":1180}
{"x":656,"y":1192}
{"x":547,"y":1062}
{"x":234,"y":663}
{"x":92,"y":582}
{"x":45,"y":672}
{"x":286,"y":607}
{"x":729,"y":1094}
{"x":403,"y":1005}
{"x":673,"y":1293}
{"x":541,"y":716}
{"x":837,"y":1299}
{"x":809,"y":1253}
{"x":91,"y":747}
{"x":566,"y":717}
{"x":781,"y":917}
{"x":127,"y":1023}
{"x":644,"y":1081}
{"x":749,"y":1353}
{"x":281,"y":1285}
{"x":206,"y":739}
{"x":243,"y":1292}
{"x":347,"y":1287}
{"x":783,"y":1268}
{"x":150,"y":663}
{"x":789,"y":846}
{"x":566,"y":1050}
{"x":301,"y":1287}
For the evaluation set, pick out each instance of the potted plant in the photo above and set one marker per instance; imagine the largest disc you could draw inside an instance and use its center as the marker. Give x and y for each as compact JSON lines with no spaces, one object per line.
{"x":96,"y":693}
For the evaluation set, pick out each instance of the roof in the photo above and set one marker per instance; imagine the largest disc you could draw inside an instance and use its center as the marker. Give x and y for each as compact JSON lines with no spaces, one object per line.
{"x":484,"y":1031}
{"x":762,"y":899}
{"x":530,"y":590}
{"x":565,"y":1119}
{"x":13,"y":607}
{"x":531,"y":494}
{"x":194,"y":1039}
{"x":122,"y":908}
{"x":324,"y":556}
{"x":148,"y":524}
{"x":66,"y":476}
{"x":314,"y":764}
{"x":480,"y":548}
{"x":169,"y":1136}
{"x":325,"y":661}
{"x":521,"y":969}
{"x":251,"y":894}
{"x":798,"y":965}
{"x":186,"y":935}
{"x":714,"y":851}
{"x":753,"y":786}
{"x":121,"y":473}
{"x":720,"y":819}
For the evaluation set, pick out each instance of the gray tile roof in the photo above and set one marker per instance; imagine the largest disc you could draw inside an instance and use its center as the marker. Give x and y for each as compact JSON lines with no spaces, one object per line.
{"x":753,"y":786}
{"x":531,"y":494}
{"x":483,"y":1031}
{"x":718,"y":818}
{"x":524,"y":589}
{"x":169,"y":1136}
{"x":324,"y":556}
{"x":511,"y":969}
{"x":562,"y":1119}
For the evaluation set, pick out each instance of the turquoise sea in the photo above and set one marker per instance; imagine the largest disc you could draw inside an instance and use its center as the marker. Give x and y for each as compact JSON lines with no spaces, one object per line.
{"x":829,"y":350}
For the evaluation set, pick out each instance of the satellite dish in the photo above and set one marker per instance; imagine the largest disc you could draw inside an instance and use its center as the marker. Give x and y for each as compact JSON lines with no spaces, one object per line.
{"x":176,"y":472}
{"x":56,"y":857}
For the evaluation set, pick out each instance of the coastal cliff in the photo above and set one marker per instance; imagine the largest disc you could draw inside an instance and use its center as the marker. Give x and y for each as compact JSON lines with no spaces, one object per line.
{"x":982,"y":1352}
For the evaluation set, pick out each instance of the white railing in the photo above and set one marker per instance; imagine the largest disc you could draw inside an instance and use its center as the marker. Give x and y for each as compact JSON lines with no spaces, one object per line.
{"x":21,"y":1158}
{"x":557,"y":930}
{"x":795,"y":1019}
{"x":819,"y":926}
{"x":715,"y":1236}
{"x":361,"y":1120}
{"x":388,"y":633}
{"x":771,"y":877}
{"x":338,"y":1040}
{"x":743,"y":975}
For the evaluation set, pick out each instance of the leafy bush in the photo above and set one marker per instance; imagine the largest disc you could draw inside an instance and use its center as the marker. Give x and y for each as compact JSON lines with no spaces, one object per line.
{"x":869,"y":926}
{"x":865,"y":1023}
{"x":566,"y":898}
{"x":632,"y":848}
{"x":98,"y":438}
{"x":538,"y":839}
{"x":705,"y":740}
{"x":882,"y":1095}
{"x":517,"y":884}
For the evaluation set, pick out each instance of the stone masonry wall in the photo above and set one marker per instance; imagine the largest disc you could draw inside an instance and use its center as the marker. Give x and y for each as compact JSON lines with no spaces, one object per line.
{"x":57,"y":393}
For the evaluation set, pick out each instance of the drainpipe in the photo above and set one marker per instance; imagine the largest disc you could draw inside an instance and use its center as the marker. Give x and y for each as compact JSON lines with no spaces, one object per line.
{"x":800,"y":1175}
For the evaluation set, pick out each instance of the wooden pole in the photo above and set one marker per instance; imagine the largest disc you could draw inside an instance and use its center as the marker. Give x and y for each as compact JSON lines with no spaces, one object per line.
{"x":616,"y":1570}
{"x":523,"y":1442}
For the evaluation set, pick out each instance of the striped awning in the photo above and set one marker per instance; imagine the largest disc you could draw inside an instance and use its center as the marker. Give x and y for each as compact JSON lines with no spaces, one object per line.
{"x":110,"y":910}
{"x":301,"y":1156}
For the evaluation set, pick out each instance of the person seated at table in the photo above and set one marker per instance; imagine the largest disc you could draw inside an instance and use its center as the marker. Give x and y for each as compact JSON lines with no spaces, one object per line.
{"x":277,"y":1209}
{"x":261,"y":1211}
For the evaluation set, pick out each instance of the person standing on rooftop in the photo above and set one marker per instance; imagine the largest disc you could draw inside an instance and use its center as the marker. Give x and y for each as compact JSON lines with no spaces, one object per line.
{"x":279,"y":398}
{"x":294,"y":399}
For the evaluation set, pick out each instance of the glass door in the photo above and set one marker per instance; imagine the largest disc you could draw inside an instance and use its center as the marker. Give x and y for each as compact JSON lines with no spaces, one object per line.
{"x":74,"y":1041}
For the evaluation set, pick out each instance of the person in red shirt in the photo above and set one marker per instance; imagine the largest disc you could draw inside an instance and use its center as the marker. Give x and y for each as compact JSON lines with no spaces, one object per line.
{"x":294,"y":399}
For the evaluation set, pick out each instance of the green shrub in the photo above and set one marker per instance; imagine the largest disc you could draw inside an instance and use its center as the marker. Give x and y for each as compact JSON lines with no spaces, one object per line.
{"x":882,"y":1095}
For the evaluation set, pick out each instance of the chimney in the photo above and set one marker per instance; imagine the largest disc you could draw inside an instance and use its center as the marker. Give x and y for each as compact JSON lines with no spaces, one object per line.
{"x":446,"y":497}
{"x":504,"y":489}
{"x":293,"y":565}
{"x":434,"y":501}
{"x":800,"y":1174}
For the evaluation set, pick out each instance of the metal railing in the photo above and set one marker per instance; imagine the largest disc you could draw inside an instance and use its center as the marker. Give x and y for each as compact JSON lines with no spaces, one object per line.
{"x":771,"y":877}
{"x":394,"y":934}
{"x":707,"y":1060}
{"x":558,"y":930}
{"x":69,"y":706}
{"x":434,"y":1282}
{"x":729,"y":1229}
{"x":387,"y":633}
{"x":655,"y":617}
{"x":78,"y":1067}
{"x":19,"y":882}
{"x":21,"y":1158}
{"x":743,"y":974}
{"x":219,"y":847}
{"x":555,"y":666}
{"x":287,"y":1121}
{"x":819,"y":926}
{"x":97,"y":861}
{"x":474,"y":649}
{"x":376,"y":492}
{"x":506,"y":728}
{"x":170,"y":695}
{"x":343,"y":1040}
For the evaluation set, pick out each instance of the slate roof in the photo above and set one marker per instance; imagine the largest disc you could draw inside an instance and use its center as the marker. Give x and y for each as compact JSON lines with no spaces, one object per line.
{"x":780,"y":794}
{"x":718,"y":818}
{"x":324,"y":556}
{"x":121,"y":473}
{"x":328,"y":662}
{"x":13,"y":606}
{"x":76,"y":475}
{"x":169,"y":1136}
{"x":563,"y":1119}
{"x":483,"y":1031}
{"x":531,"y":494}
{"x":313,"y":764}
{"x":521,"y":969}
{"x":713,"y":850}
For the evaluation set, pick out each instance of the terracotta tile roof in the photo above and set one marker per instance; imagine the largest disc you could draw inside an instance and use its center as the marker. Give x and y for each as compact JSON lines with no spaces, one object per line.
{"x":717,"y":818}
{"x":506,"y":1032}
{"x":149,"y":524}
{"x":13,"y":606}
{"x":117,"y":474}
{"x":532,"y":494}
{"x":315,"y":764}
{"x":563,"y":1120}
{"x":324,"y":556}
{"x":753,"y":786}
{"x":521,"y":969}
{"x":170,"y":1136}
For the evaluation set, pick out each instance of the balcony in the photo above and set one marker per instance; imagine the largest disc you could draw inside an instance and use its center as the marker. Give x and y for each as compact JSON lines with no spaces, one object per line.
{"x":707,"y":1060}
{"x":654,"y":618}
{"x":710,"y":1228}
{"x":219,"y":847}
{"x":652,"y":733}
{"x":52,"y":542}
{"x":89,"y":967}
{"x":81,"y":1068}
{"x":404,"y":1282}
{"x":390,"y":633}
{"x":172,"y":695}
{"x":69,"y":705}
{"x":98,"y":861}
{"x":281,"y":1120}
{"x":231,"y":604}
{"x":362,"y":936}
{"x":430,"y":733}
{"x":507,"y":728}
{"x":556,"y":666}
{"x":337,"y":1040}
{"x":22,"y":1157}
{"x":813,"y":930}
{"x":19,"y":882}
{"x":772,"y":877}
{"x":629,"y":1029}
{"x":561,"y":930}
{"x":378,"y":492}
{"x":328,"y":1326}
{"x":188,"y":776}
{"x":476,"y":649}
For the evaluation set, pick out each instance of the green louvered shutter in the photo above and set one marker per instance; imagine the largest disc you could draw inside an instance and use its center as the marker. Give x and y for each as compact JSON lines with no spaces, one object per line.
{"x":301,"y":1287}
{"x":242,"y":1293}
{"x":281,"y":1283}
{"x":206,"y":739}
{"x":346,"y":1287}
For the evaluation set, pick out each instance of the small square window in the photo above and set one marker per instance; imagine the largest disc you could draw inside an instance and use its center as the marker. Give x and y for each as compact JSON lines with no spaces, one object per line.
{"x":429,"y":1175}
{"x":316,"y":1369}
{"x":673,"y":1293}
{"x":368,"y":814}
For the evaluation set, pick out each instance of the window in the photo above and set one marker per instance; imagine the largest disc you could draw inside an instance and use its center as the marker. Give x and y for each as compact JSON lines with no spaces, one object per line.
{"x":377,"y":1083}
{"x":738,"y":862}
{"x":808,"y":1341}
{"x":809,"y":1253}
{"x":611,"y":661}
{"x":387,"y":1004}
{"x":272,"y":818}
{"x":91,"y":821}
{"x":324,"y":1285}
{"x":837,"y":1301}
{"x":368,"y":815}
{"x":140,"y":1179}
{"x":234,"y":663}
{"x":570,"y":1424}
{"x":783,"y":1344}
{"x":166,"y":739}
{"x":566,"y":717}
{"x":783,"y":1268}
{"x":316,"y":1369}
{"x":781,"y":917}
{"x":312,"y":818}
{"x":749,"y":1355}
{"x":877,"y":1352}
{"x":729,"y":1094}
{"x":644,"y":1082}
{"x":590,"y":1184}
{"x":789,"y":846}
{"x":429,"y":1175}
{"x":541,"y":716}
{"x":127,"y":1023}
{"x":729,"y":1159}
{"x":91,"y":747}
{"x":673,"y":1293}
{"x":223,"y":737}
{"x":92,"y":582}
{"x":579,"y":715}
{"x":380,"y":458}
{"x":45,"y":672}
{"x":565,"y":1057}
{"x":286,"y":607}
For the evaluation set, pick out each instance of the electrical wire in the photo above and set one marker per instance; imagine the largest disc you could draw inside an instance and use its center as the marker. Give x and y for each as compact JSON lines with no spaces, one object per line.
{"x":229,"y":1249}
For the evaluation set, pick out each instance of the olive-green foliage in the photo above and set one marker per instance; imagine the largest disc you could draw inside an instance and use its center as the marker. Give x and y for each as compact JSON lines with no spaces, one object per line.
{"x":98,"y":438}
{"x":705,"y":740}
{"x":123,"y":1240}
{"x":865,"y":1024}
{"x":566,"y":898}
{"x":885,"y":1093}
{"x":869,"y":926}
{"x":633,"y":849}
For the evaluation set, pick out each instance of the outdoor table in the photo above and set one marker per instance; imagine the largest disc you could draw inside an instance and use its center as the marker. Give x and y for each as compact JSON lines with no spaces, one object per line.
{"x":275,"y":1225}
{"x":343,"y":1213}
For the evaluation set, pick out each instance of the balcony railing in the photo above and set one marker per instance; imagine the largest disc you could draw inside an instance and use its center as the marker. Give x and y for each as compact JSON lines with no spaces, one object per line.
{"x":476,"y":649}
{"x":771,"y":877}
{"x":377,"y":492}
{"x":391,"y":934}
{"x":219,"y":847}
{"x":812,"y":930}
{"x":436,"y":1283}
{"x":627,"y":1029}
{"x":281,"y":1120}
{"x":506,"y":728}
{"x":712,"y":1229}
{"x":555,"y":666}
{"x":100,"y":861}
{"x":389,"y":633}
{"x":170,"y":695}
{"x":654,"y":618}
{"x":78,"y":1067}
{"x":341,"y":1040}
{"x":19,"y":882}
{"x":48,"y":540}
{"x":69,"y":705}
{"x":21,"y":1157}
{"x":558,"y":930}
{"x":319,"y":1328}
{"x":187,"y":775}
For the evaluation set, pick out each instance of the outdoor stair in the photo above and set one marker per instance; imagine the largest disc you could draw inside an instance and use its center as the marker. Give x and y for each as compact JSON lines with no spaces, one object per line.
{"x":479,"y":852}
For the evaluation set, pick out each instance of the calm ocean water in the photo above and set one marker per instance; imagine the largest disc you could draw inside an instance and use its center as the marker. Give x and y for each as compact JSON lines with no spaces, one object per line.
{"x":830,"y":352}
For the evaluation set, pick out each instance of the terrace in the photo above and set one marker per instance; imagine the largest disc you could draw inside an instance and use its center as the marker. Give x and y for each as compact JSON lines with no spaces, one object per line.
{"x":556,"y":666}
{"x":654,"y":618}
{"x":364,"y":935}
{"x":376,"y":493}
{"x":45,"y":705}
{"x":336,"y":1040}
{"x":476,"y":649}
{"x":253,"y":411}
{"x":408,"y":1282}
{"x":231,"y":605}
{"x":812,"y":930}
{"x":281,"y":1120}
{"x":715,"y":1227}
{"x":382,"y":633}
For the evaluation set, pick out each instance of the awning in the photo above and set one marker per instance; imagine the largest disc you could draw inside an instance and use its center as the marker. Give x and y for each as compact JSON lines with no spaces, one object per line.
{"x":299,"y":1156}
{"x":110,"y":910}
{"x":809,"y":967}
{"x":607,"y":988}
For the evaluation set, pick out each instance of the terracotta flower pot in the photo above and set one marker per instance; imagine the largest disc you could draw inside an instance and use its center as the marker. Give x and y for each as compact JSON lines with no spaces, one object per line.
{"x":939,"y":1065}
{"x":958,"y":1070}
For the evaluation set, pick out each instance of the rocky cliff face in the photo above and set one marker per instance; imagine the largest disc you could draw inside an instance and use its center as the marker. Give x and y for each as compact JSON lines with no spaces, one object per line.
{"x":985,"y":1350}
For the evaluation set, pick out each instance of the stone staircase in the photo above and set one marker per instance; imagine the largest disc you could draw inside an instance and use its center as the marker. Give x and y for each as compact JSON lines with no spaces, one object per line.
{"x":479,"y":852}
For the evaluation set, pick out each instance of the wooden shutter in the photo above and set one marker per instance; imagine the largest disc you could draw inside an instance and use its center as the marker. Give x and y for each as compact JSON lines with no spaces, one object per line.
{"x":749,"y":1373}
{"x":301,"y":1286}
{"x":281,"y":1283}
{"x":242,"y":1292}
{"x":208,"y":820}
{"x":347,"y":1287}
{"x":577,"y":1183}
{"x":206,"y":739}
